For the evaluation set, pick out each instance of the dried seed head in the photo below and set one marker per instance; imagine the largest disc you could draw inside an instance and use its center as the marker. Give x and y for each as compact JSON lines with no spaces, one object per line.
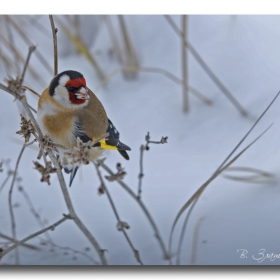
{"x":45,"y":171}
{"x":164,"y":140}
{"x":79,"y":154}
{"x":101,"y":190}
{"x":147,"y":137}
{"x":14,"y":85}
{"x":122,"y":225}
{"x":27,"y":128}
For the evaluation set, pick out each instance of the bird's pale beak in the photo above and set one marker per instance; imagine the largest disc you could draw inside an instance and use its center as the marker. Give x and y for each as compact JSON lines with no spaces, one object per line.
{"x":82,"y":93}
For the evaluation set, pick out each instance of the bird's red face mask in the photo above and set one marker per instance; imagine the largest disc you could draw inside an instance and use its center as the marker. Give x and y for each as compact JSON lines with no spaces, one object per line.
{"x":78,"y":94}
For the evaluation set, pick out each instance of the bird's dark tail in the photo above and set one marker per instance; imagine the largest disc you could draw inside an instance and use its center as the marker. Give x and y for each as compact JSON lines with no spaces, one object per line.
{"x":73,"y":172}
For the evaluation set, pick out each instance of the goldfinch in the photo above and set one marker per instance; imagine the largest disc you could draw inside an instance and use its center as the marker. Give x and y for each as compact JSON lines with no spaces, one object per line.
{"x":67,"y":109}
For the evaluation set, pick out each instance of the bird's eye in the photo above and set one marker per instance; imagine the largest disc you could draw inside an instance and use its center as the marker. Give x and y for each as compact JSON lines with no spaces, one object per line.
{"x":70,"y":88}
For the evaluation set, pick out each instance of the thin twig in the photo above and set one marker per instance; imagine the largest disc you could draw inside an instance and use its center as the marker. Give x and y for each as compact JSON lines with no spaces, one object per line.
{"x":113,"y":37}
{"x":141,"y":172}
{"x":11,"y":39}
{"x":52,"y":227}
{"x":43,"y":61}
{"x":185,"y":63}
{"x":30,"y":50}
{"x":70,"y":249}
{"x":206,"y":68}
{"x":142,"y":149}
{"x":13,"y":223}
{"x":121,"y":228}
{"x":33,"y":72}
{"x":222,"y":164}
{"x":54,"y":31}
{"x":131,"y":59}
{"x":30,"y":89}
{"x":164,"y":72}
{"x":145,"y":210}
{"x":60,"y":177}
{"x":201,"y":189}
{"x":33,"y":211}
{"x":5,"y":181}
{"x":32,"y":247}
{"x":195,"y":240}
{"x":70,"y":207}
{"x":81,"y":48}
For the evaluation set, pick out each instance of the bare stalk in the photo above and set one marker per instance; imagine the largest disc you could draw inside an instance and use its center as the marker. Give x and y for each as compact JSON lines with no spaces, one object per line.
{"x":76,"y":219}
{"x":31,"y":49}
{"x":141,"y":173}
{"x":5,"y":181}
{"x":164,"y":72}
{"x":221,"y":166}
{"x":44,"y":62}
{"x":185,"y":63}
{"x":52,"y":227}
{"x":113,"y":37}
{"x":206,"y":68}
{"x":145,"y":210}
{"x":13,"y":223}
{"x":120,"y":223}
{"x":33,"y":211}
{"x":54,"y":31}
{"x":142,"y":149}
{"x":11,"y":41}
{"x":32,"y":247}
{"x":131,"y":59}
{"x":195,"y":240}
{"x":202,"y":188}
{"x":30,"y":89}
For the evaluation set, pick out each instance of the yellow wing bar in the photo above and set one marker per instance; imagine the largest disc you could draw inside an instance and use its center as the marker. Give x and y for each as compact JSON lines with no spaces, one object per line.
{"x":103,"y":145}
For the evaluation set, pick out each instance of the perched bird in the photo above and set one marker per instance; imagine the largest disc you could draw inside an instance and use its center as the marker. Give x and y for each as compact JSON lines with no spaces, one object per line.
{"x":67,"y":109}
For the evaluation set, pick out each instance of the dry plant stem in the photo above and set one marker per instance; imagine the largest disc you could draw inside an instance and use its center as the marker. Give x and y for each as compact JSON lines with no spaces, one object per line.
{"x":54,"y":30}
{"x":206,"y":68}
{"x":31,"y":247}
{"x":142,"y":149}
{"x":5,"y":181}
{"x":258,"y":176}
{"x":131,"y":59}
{"x":52,"y":227}
{"x":38,"y":25}
{"x":142,"y":205}
{"x":164,"y":72}
{"x":242,"y":140}
{"x":184,"y":227}
{"x":195,"y":240}
{"x":61,"y":180}
{"x":31,"y":49}
{"x":21,"y":59}
{"x":222,"y":164}
{"x":201,"y":189}
{"x":141,"y":174}
{"x":81,"y":48}
{"x":11,"y":39}
{"x":13,"y":223}
{"x":44,"y":62}
{"x":72,"y":211}
{"x":113,"y":37}
{"x":136,"y":253}
{"x":184,"y":19}
{"x":34,"y":212}
{"x":31,"y":90}
{"x":73,"y":250}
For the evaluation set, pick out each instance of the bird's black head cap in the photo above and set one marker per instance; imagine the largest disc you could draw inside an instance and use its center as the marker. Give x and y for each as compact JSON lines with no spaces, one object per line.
{"x":72,"y":75}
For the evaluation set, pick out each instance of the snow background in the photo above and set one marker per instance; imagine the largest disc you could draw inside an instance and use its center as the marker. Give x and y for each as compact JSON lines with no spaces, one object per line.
{"x":243,"y":52}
